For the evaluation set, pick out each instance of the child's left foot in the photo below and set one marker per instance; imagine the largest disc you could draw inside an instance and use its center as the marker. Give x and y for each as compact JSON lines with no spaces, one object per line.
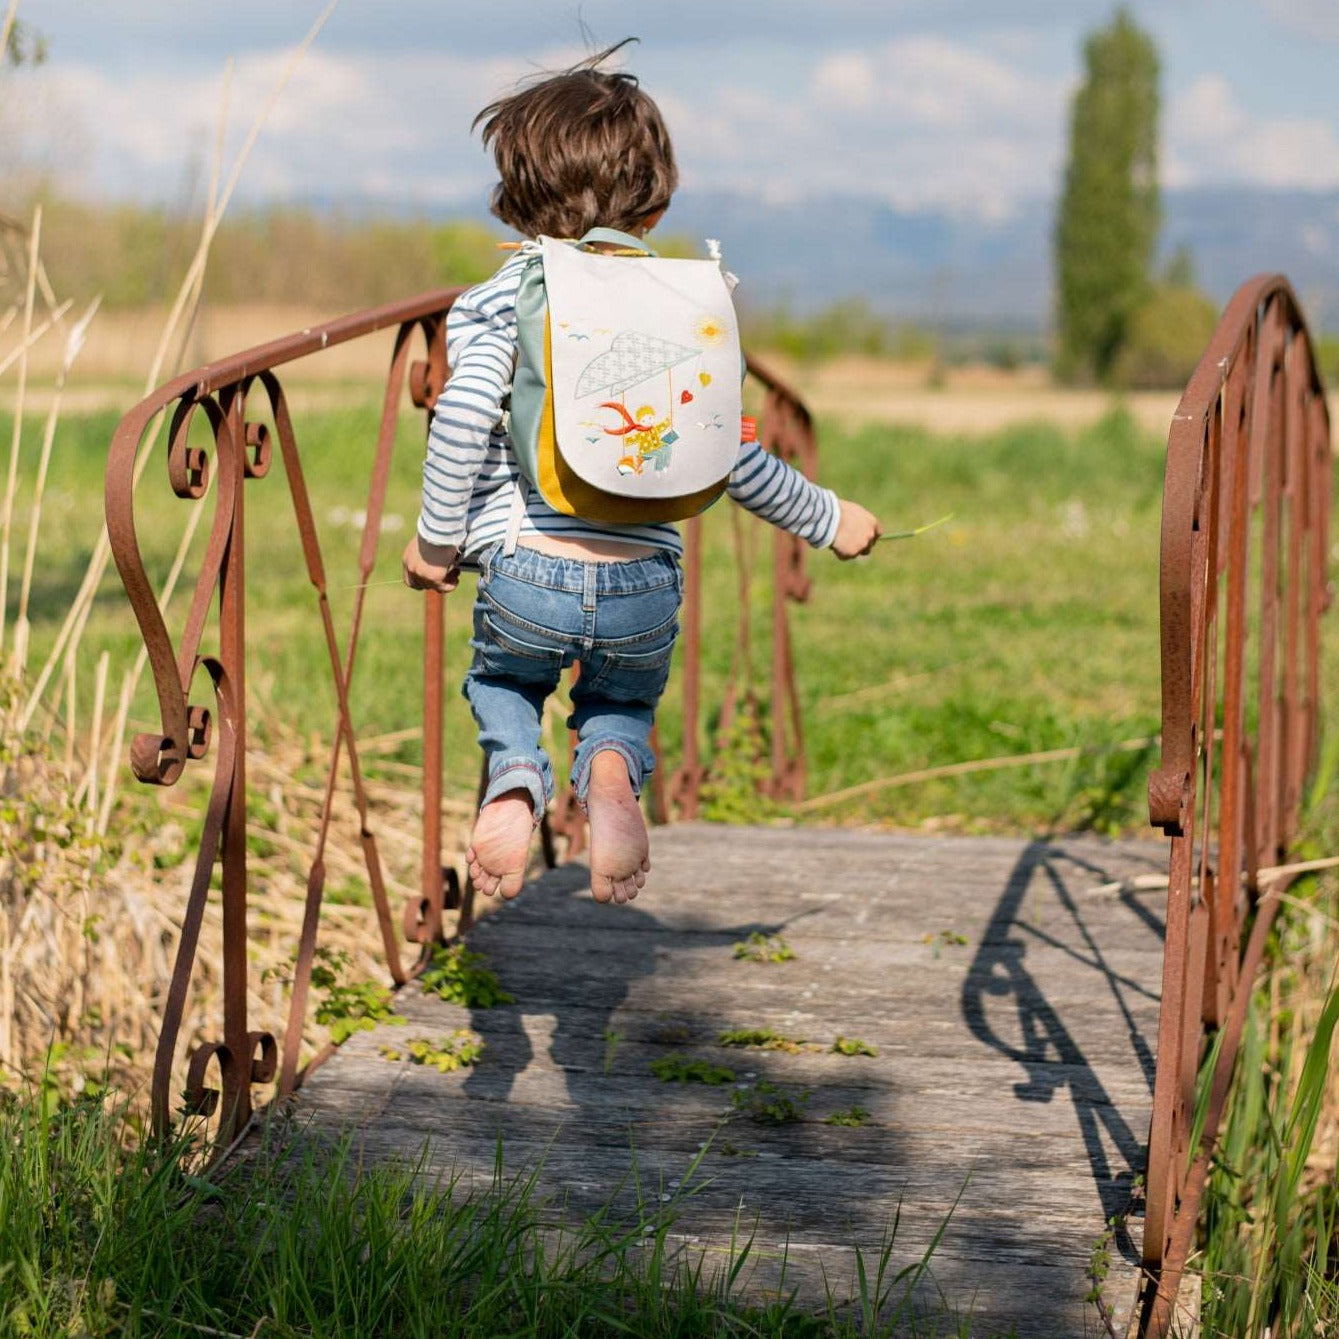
{"x":500,"y":844}
{"x":620,"y":853}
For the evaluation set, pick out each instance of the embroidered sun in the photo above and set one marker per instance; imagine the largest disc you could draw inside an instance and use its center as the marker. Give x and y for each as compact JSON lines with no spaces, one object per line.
{"x":711,"y":330}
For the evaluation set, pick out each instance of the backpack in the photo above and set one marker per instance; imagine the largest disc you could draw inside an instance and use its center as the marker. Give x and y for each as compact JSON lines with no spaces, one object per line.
{"x":625,"y":403}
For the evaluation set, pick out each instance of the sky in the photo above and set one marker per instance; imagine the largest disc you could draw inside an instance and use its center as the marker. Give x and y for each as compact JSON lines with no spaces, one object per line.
{"x":957,"y":105}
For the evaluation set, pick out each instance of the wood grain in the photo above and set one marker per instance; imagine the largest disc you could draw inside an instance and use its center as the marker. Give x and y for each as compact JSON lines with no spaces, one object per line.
{"x":1013,"y":1009}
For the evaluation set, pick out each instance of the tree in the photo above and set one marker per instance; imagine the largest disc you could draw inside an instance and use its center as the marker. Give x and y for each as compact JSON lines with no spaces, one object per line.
{"x":23,"y":46}
{"x":1107,"y":225}
{"x":1169,"y":331}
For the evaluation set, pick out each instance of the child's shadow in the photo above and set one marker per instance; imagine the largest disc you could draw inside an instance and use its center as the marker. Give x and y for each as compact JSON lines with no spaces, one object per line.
{"x":564,"y":956}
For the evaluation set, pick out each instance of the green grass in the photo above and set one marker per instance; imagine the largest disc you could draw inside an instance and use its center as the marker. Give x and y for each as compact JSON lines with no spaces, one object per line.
{"x":853,"y":1046}
{"x":1028,"y":622}
{"x":679,"y":1068}
{"x":459,"y":975}
{"x":1268,"y":1256}
{"x":459,"y":1050}
{"x":851,"y":1116}
{"x":102,"y":1235}
{"x":759,"y":947}
{"x":768,"y":1103}
{"x":762,"y":1039}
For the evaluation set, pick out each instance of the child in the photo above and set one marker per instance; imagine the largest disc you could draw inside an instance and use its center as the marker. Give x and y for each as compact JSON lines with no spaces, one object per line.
{"x":576,"y":150}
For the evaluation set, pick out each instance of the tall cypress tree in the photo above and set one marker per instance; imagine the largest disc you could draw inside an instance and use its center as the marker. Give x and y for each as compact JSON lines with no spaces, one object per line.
{"x":1107,"y":225}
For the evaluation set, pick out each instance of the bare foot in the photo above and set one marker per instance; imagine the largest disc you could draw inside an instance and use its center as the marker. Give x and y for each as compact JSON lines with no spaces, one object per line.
{"x":500,"y":844}
{"x":619,"y":848}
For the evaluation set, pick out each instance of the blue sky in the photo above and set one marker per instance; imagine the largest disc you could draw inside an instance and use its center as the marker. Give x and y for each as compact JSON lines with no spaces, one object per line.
{"x":944,"y":104}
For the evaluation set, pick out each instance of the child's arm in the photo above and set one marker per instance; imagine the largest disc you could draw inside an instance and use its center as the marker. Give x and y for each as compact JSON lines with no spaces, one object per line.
{"x":481,"y":344}
{"x":779,"y":493}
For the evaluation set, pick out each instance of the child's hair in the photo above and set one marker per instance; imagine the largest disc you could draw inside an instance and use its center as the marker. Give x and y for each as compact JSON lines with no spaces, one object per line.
{"x":579,"y":149}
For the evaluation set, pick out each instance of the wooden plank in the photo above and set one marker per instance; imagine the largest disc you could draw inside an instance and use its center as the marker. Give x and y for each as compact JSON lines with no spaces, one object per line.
{"x":1013,"y":1071}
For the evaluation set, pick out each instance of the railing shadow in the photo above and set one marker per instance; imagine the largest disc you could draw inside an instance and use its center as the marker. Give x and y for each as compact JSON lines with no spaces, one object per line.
{"x":1007,"y":1008}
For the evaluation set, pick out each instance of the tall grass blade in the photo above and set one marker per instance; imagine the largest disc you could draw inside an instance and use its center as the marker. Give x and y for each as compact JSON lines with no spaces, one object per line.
{"x":188,"y":296}
{"x":73,"y":344}
{"x":16,"y":437}
{"x":1309,"y":1098}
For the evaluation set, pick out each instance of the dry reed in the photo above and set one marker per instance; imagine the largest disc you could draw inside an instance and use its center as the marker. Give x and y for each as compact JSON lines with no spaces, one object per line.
{"x":88,"y":922}
{"x":88,"y":928}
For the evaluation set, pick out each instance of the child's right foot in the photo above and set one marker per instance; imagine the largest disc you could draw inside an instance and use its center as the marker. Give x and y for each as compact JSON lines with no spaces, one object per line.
{"x":500,"y":844}
{"x":620,"y":852}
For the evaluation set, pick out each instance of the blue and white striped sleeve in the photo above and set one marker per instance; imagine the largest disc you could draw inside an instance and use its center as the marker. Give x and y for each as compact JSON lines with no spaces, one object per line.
{"x":481,"y":348}
{"x":768,"y":487}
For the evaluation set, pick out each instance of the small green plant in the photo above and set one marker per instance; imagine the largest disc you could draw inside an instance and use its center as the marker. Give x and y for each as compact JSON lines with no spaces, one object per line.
{"x":853,"y":1046}
{"x":612,"y":1041}
{"x":1099,"y":1263}
{"x":458,"y":976}
{"x":759,"y":947}
{"x":848,"y":1116}
{"x":762,"y":1039}
{"x":679,"y":1068}
{"x":458,"y":1051}
{"x":734,"y":790}
{"x":348,"y":1007}
{"x":949,"y":938}
{"x":767,"y":1103}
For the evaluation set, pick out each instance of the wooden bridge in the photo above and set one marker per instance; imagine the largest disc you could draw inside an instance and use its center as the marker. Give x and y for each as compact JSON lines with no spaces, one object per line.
{"x":1010,"y":993}
{"x":1038,"y":1015}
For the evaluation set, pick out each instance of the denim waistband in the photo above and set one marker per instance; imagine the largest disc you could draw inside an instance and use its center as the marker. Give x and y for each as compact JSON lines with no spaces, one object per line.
{"x":569,"y":574}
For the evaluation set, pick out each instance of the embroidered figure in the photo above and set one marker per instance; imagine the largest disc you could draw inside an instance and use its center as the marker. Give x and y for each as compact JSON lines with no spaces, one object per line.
{"x":644,"y":439}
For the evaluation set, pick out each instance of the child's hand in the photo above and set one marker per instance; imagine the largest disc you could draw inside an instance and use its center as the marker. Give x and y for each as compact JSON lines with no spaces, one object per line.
{"x":431,"y":566}
{"x":858,"y":530}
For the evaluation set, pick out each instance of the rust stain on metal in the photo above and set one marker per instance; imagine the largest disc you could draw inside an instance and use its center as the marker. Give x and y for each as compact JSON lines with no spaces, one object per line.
{"x":1248,"y":464}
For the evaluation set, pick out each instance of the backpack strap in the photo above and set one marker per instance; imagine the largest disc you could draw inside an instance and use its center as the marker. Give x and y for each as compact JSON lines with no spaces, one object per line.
{"x":515,"y":515}
{"x":628,"y":244}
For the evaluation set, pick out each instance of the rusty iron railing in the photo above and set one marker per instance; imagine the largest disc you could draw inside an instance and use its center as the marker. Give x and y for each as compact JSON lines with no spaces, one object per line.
{"x":1243,"y":585}
{"x":238,"y":398}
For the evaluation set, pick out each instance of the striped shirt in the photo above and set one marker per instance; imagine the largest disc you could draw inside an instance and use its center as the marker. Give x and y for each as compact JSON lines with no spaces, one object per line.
{"x":470,"y":474}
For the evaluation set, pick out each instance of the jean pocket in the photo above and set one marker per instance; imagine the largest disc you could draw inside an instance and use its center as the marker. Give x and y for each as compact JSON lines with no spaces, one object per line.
{"x":636,"y":673}
{"x":502,"y":651}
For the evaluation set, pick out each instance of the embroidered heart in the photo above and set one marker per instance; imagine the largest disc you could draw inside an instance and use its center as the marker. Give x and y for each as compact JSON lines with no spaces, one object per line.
{"x":704,"y":378}
{"x":685,"y":397}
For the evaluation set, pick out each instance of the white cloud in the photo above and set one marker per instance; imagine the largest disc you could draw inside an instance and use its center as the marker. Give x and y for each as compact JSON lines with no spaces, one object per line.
{"x":1212,"y":139}
{"x":921,"y":121}
{"x":935,"y":84}
{"x":385,"y":126}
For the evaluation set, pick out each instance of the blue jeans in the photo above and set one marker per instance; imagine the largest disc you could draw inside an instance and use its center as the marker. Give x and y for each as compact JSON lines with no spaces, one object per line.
{"x":533,"y":616}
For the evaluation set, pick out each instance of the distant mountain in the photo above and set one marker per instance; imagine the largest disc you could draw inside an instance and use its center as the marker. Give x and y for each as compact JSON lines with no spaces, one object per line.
{"x":955,"y":270}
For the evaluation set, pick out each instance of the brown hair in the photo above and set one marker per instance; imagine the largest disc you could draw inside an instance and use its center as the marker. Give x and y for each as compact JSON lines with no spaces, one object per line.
{"x":579,"y":149}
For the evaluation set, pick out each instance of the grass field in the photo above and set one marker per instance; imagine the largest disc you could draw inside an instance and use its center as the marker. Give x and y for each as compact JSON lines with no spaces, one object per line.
{"x":1027,"y":622}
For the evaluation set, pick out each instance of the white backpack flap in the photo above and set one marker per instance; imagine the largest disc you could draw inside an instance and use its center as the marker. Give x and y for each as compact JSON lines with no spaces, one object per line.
{"x":645,"y":371}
